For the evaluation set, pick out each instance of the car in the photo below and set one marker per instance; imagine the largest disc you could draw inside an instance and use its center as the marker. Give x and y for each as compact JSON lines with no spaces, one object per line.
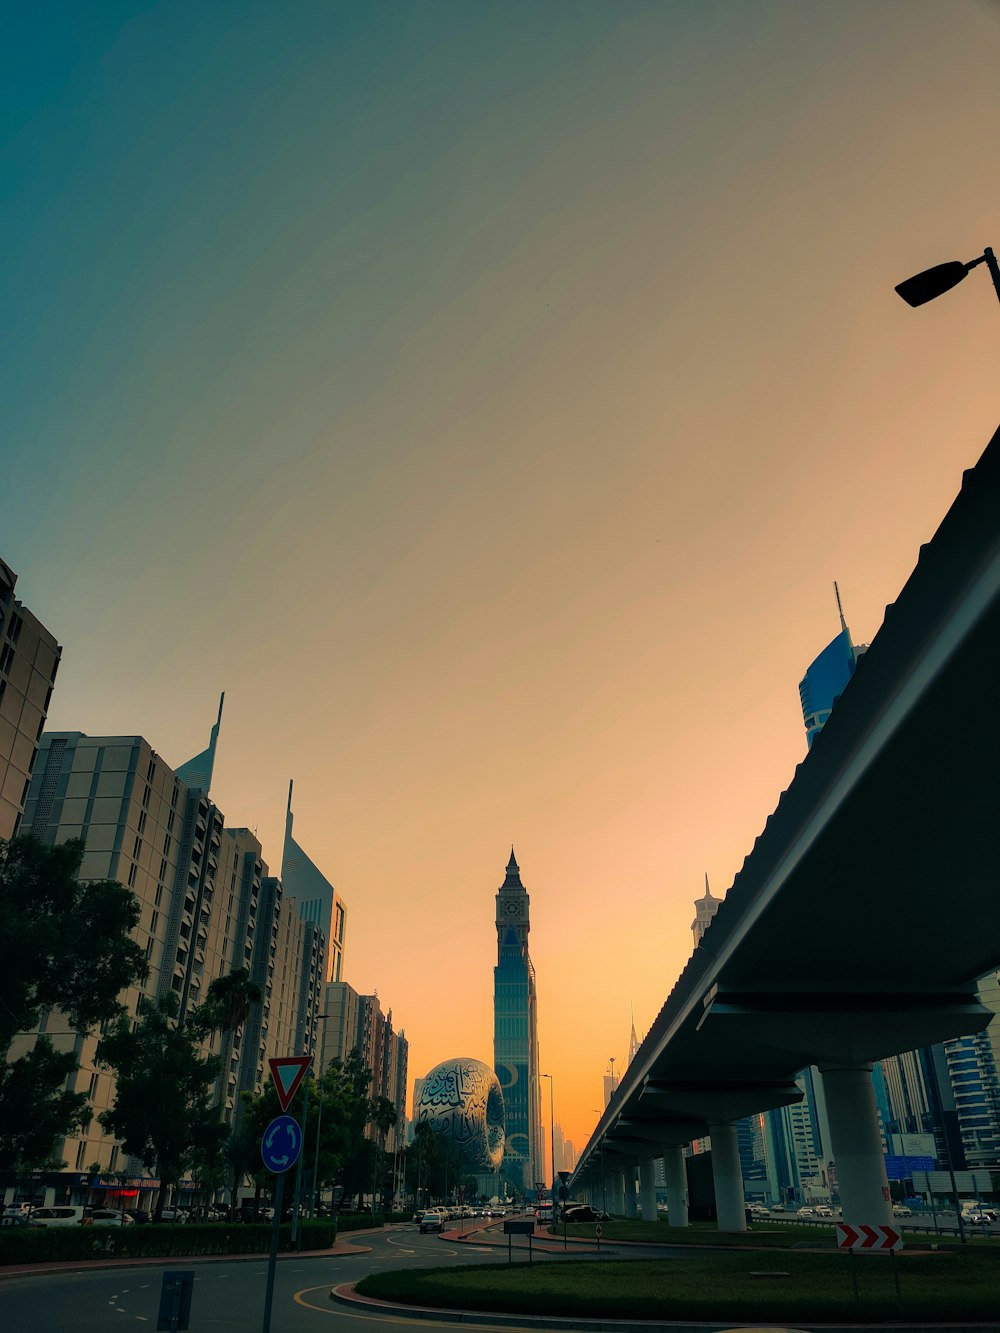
{"x":432,"y":1221}
{"x":578,"y":1212}
{"x":758,"y":1210}
{"x":824,"y":1210}
{"x":141,"y":1216}
{"x":776,"y":1208}
{"x":17,"y":1210}
{"x":15,"y":1220}
{"x":179,"y":1216}
{"x":806,"y":1212}
{"x":111,"y":1217}
{"x":62,"y":1215}
{"x":901,"y":1210}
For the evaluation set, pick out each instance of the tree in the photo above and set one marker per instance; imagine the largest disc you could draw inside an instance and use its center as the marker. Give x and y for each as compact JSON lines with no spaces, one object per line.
{"x":382,"y":1114}
{"x":162,"y":1110}
{"x":227,"y":1004}
{"x":64,"y":944}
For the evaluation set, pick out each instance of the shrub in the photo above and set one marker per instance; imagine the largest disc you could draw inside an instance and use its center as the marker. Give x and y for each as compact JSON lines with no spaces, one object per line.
{"x":23,"y":1245}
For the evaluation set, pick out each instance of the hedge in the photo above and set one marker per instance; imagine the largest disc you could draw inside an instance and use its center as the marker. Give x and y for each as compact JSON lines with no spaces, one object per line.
{"x":26,"y":1245}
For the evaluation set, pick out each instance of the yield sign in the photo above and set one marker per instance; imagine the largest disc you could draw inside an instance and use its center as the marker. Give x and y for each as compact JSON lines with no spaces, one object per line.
{"x":288,"y":1071}
{"x":865,"y":1237}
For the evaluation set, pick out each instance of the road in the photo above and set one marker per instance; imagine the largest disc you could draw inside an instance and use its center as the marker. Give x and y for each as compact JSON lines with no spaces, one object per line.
{"x":229,"y":1297}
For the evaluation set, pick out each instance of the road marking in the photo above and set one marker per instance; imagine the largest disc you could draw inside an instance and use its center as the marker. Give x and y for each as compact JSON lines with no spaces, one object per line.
{"x":394,"y":1317}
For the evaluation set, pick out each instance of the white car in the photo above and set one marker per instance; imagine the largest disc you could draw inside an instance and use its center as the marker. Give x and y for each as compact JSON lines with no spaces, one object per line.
{"x":111,"y":1217}
{"x":901,"y":1210}
{"x":806,"y":1212}
{"x":432,"y":1221}
{"x":824,"y":1210}
{"x":60,"y":1216}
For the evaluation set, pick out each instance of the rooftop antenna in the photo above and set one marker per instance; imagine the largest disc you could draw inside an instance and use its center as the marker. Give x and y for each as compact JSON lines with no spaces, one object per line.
{"x":840,"y":609}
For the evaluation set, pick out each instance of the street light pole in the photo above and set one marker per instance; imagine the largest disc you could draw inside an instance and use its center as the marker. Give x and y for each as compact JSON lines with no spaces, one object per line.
{"x":552,"y":1132}
{"x":319,"y":1120}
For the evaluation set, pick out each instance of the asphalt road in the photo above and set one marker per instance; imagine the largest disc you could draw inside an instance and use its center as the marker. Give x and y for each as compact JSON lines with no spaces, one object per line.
{"x":229,"y":1297}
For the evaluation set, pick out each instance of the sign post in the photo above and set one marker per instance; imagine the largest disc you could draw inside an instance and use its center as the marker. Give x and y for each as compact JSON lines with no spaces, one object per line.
{"x":280,"y":1148}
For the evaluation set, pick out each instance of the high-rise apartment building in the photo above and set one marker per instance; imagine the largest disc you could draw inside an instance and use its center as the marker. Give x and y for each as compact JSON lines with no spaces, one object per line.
{"x":208,"y":907}
{"x":29,"y":660}
{"x":356,"y":1023}
{"x":515,"y":1033}
{"x":318,"y":900}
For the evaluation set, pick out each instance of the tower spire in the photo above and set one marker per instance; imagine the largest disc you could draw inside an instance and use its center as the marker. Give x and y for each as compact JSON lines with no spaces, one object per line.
{"x":708,"y":891}
{"x":840,"y":609}
{"x":197,"y":772}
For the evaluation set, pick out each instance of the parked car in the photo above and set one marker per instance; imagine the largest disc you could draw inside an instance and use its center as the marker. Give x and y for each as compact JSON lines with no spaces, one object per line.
{"x":776,"y":1208}
{"x":140,"y":1216}
{"x":15,"y":1220}
{"x":432,"y":1221}
{"x":111,"y":1217}
{"x":63,"y":1215}
{"x":177,"y":1215}
{"x":578,"y":1212}
{"x":758,"y":1210}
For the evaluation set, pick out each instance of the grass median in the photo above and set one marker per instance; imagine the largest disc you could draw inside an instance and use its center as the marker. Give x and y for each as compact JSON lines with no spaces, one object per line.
{"x":778,"y":1235}
{"x":739,"y":1286}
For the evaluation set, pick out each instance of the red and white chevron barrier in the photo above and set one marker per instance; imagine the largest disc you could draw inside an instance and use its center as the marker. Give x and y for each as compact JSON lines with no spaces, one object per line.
{"x":864,"y":1237}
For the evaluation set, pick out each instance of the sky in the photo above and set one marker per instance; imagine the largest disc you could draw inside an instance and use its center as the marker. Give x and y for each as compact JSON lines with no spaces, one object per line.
{"x":486,"y":396}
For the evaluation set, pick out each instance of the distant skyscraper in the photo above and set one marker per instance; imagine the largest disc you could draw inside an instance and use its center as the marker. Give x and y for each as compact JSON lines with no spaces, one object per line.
{"x":826,"y":678}
{"x":318,"y":901}
{"x":29,"y":659}
{"x":515,"y":1032}
{"x":704,"y":910}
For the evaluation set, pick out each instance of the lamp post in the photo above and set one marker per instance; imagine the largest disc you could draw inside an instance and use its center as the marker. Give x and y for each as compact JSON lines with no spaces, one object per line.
{"x":604,"y":1188}
{"x":933,"y":282}
{"x":552,"y":1133}
{"x":319,"y":1119}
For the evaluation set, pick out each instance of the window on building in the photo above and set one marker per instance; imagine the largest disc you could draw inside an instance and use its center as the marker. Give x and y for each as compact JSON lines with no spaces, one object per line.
{"x":131,"y":875}
{"x":81,"y":1154}
{"x":137,"y":848}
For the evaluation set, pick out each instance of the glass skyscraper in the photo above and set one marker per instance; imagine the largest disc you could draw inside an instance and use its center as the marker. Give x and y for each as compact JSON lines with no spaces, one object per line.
{"x":827,"y":677}
{"x":515,"y":1033}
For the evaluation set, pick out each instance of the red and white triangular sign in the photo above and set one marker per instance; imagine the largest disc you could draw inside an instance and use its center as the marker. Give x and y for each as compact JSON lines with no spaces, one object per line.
{"x":288,"y":1071}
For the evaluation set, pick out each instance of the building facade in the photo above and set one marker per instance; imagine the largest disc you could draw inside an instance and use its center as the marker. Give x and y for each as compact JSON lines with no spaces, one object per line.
{"x":515,"y":1033}
{"x":208,"y":907}
{"x":826,"y":677}
{"x":29,"y":660}
{"x":356,"y":1023}
{"x":318,"y":901}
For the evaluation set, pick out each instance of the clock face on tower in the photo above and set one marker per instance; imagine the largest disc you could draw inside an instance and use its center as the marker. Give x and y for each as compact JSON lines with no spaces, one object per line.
{"x":512,"y":908}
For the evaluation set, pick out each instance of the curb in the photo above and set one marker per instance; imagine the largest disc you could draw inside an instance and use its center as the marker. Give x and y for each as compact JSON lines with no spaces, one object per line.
{"x":342,"y":1247}
{"x":346,"y":1295}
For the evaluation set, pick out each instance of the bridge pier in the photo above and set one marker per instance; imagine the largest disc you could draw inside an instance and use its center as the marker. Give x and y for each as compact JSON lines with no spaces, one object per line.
{"x":631,"y":1205}
{"x":857,"y":1145}
{"x":647,"y":1188}
{"x":616,"y":1193}
{"x":729,"y":1205}
{"x":677,"y":1195}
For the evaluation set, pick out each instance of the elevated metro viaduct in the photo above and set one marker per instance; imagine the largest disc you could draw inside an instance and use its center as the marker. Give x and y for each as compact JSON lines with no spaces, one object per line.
{"x":891,"y":824}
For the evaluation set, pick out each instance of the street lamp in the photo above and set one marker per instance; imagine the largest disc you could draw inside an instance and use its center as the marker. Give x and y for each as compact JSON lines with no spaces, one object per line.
{"x":932,"y":282}
{"x":319,"y":1119}
{"x":552,"y":1131}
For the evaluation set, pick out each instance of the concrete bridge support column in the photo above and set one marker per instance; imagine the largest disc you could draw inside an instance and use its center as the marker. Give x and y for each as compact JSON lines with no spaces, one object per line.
{"x":631,"y":1205}
{"x":729,"y":1206}
{"x":677,"y":1194}
{"x":857,"y":1145}
{"x":616,"y":1193}
{"x":647,"y":1189}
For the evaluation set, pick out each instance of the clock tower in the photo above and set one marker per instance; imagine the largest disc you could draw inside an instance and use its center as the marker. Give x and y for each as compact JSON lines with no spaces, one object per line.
{"x":515,"y":1034}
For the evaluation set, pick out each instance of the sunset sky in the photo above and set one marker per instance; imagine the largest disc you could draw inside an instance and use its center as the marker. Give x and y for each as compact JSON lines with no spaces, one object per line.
{"x":485,"y":396}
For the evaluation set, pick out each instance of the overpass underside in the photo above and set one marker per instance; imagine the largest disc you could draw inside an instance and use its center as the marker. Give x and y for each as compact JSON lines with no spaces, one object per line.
{"x":868,"y":907}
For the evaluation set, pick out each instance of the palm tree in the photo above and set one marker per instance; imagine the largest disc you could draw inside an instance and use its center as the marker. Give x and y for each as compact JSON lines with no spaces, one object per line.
{"x":383,"y":1115}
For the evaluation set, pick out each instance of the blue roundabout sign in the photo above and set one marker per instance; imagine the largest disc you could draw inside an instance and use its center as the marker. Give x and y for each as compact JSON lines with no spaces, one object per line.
{"x":281,"y":1144}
